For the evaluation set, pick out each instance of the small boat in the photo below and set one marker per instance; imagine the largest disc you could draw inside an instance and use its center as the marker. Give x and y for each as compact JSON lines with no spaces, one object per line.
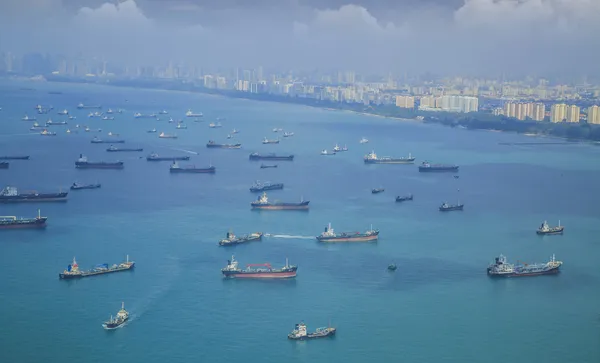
{"x":337,"y":148}
{"x":47,"y":133}
{"x":264,"y":166}
{"x":151,"y":131}
{"x":345,"y":148}
{"x":363,"y":141}
{"x":112,"y":134}
{"x":234,"y":131}
{"x":167,"y":136}
{"x":119,"y":320}
{"x":326,"y":152}
{"x":456,"y":176}
{"x":110,"y":111}
{"x":267,"y":141}
{"x":163,"y":112}
{"x":377,"y":190}
{"x":392,"y":267}
{"x":63,"y":112}
{"x":77,"y":186}
{"x":299,"y":333}
{"x":72,"y":117}
{"x":545,"y":229}
{"x":27,"y":118}
{"x":229,"y":136}
{"x":277,"y":130}
{"x":36,"y":126}
{"x":181,"y":126}
{"x":189,"y":113}
{"x":213,"y":125}
{"x":288,"y":134}
{"x":107,"y":118}
{"x":53,"y":123}
{"x":171,"y":120}
{"x":404,"y":198}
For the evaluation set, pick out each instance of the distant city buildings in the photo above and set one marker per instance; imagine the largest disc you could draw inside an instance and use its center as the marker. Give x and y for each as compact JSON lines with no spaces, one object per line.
{"x":405,"y":101}
{"x":593,"y":115}
{"x":449,"y":103}
{"x":573,"y":113}
{"x":558,"y":112}
{"x":522,"y":111}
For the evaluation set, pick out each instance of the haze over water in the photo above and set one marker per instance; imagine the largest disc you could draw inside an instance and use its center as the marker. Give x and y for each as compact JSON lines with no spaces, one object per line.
{"x":439,"y":306}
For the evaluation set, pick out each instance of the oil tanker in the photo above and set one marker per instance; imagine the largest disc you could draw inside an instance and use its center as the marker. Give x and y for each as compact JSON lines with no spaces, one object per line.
{"x":156,"y":157}
{"x":214,"y":145}
{"x":83,"y":163}
{"x":300,"y":333}
{"x":12,"y":195}
{"x":271,"y":156}
{"x":175,"y":168}
{"x":96,"y":140}
{"x":263,"y":203}
{"x":252,"y":272}
{"x":14,"y":157}
{"x":12,"y":222}
{"x":501,"y":268}
{"x":428,"y":167}
{"x":119,"y":149}
{"x":232,"y":239}
{"x":73,"y":271}
{"x":372,"y":158}
{"x":330,"y":236}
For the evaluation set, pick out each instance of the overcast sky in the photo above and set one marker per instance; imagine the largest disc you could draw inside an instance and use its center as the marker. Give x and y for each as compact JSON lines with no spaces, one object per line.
{"x":440,"y":36}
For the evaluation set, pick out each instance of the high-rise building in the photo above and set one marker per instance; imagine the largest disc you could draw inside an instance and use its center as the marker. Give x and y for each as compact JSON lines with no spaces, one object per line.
{"x":558,"y":112}
{"x":427,"y":102}
{"x":452,"y":103}
{"x":538,"y":112}
{"x":573,"y":113}
{"x":405,"y":101}
{"x":593,"y":115}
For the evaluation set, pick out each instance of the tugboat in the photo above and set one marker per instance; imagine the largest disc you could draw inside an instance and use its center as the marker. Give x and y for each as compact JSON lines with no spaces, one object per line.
{"x":372,"y":158}
{"x":445,"y":207}
{"x":12,"y":222}
{"x":83,"y":163}
{"x":271,"y":156}
{"x":326,"y":152}
{"x":261,"y":187}
{"x":251,"y":272}
{"x":73,"y":272}
{"x":262,"y":202}
{"x":392,"y":267}
{"x":156,"y":157}
{"x":545,"y":229}
{"x":12,"y":195}
{"x":77,"y":186}
{"x":266,"y":166}
{"x":162,"y":135}
{"x":120,"y":319}
{"x":427,"y":167}
{"x":175,"y":168}
{"x":214,"y":145}
{"x":404,"y":198}
{"x":299,"y":333}
{"x":329,"y":235}
{"x":267,"y":141}
{"x":501,"y":268}
{"x":232,"y":239}
{"x":377,"y":190}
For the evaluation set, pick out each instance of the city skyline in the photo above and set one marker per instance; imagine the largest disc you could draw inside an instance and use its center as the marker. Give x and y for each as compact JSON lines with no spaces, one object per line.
{"x":469,"y":37}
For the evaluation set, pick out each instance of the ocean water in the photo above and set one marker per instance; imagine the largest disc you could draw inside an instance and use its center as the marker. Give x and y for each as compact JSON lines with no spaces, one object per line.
{"x":439,"y":306}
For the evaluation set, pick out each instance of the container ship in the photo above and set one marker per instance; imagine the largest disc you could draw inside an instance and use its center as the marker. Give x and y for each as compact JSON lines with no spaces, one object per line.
{"x":12,"y":222}
{"x":261,"y":187}
{"x":14,"y":157}
{"x":97,"y":140}
{"x":372,"y":158}
{"x":119,"y":149}
{"x":4,"y":164}
{"x":73,"y":271}
{"x":252,"y":272}
{"x":121,"y":318}
{"x":232,"y":239}
{"x":427,"y":167}
{"x":12,"y":195}
{"x":546,"y":229}
{"x":156,"y":157}
{"x":263,"y":203}
{"x":212,"y":144}
{"x":271,"y":156}
{"x":300,"y":333}
{"x":500,"y":268}
{"x":83,"y":163}
{"x":175,"y":168}
{"x":330,"y":236}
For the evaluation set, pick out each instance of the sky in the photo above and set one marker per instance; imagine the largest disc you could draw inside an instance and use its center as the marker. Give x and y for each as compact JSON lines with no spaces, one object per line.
{"x":378,"y":36}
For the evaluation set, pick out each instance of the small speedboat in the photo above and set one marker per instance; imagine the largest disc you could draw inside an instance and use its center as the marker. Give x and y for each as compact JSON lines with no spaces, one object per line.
{"x":112,"y":134}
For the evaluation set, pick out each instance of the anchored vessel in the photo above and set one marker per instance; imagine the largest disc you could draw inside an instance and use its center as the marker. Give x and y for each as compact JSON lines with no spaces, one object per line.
{"x":404,"y":198}
{"x":377,"y":190}
{"x":189,"y":113}
{"x":11,"y":195}
{"x":55,"y":123}
{"x":139,"y":115}
{"x":73,"y":272}
{"x":97,"y":140}
{"x":175,"y":168}
{"x":257,"y":156}
{"x":117,"y":149}
{"x":445,"y":207}
{"x":265,"y":166}
{"x":11,"y":222}
{"x":300,"y":333}
{"x":252,"y":272}
{"x":162,"y":135}
{"x":212,"y":144}
{"x":364,"y":140}
{"x":329,"y":235}
{"x":267,"y":141}
{"x":261,"y":187}
{"x":213,"y":125}
{"x":502,"y":268}
{"x":77,"y":186}
{"x":117,"y":321}
{"x":156,"y":157}
{"x":83,"y":163}
{"x":372,"y":158}
{"x":81,"y":106}
{"x":392,"y":267}
{"x":546,"y":229}
{"x":427,"y":167}
{"x":263,"y":203}
{"x":232,"y":239}
{"x":47,"y":133}
{"x":327,"y":152}
{"x":14,"y":157}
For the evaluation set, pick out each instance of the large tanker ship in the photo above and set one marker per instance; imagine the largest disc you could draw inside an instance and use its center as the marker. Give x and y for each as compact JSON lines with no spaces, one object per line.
{"x":12,"y":195}
{"x":330,"y":236}
{"x":73,"y":271}
{"x":12,"y":222}
{"x":252,"y":272}
{"x":372,"y":158}
{"x":501,"y":268}
{"x":263,"y":203}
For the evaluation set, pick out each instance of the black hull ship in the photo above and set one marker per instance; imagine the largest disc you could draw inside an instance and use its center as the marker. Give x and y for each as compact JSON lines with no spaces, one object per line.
{"x":156,"y":157}
{"x":257,"y":156}
{"x":264,"y":166}
{"x":96,"y":140}
{"x":445,"y":207}
{"x":252,"y":272}
{"x":83,"y":163}
{"x":427,"y":167}
{"x":121,"y":149}
{"x":372,"y":158}
{"x":300,"y":333}
{"x":11,"y":195}
{"x":261,"y":187}
{"x":14,"y":157}
{"x":232,"y":239}
{"x":545,"y":229}
{"x":214,"y":145}
{"x":404,"y":198}
{"x":121,"y":318}
{"x":12,"y":222}
{"x":77,"y":186}
{"x":73,"y":271}
{"x":175,"y":168}
{"x":377,"y":190}
{"x":262,"y":202}
{"x":501,"y":268}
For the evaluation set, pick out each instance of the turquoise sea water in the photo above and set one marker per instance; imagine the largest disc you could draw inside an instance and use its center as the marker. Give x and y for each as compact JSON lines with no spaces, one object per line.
{"x":439,"y":306}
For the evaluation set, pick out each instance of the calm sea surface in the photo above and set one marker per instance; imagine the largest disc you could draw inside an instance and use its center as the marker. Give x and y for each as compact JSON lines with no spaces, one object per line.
{"x":439,"y":306}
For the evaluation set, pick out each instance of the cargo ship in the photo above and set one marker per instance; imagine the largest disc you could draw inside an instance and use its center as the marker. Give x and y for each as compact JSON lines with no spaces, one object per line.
{"x":4,"y":164}
{"x":12,"y":195}
{"x":55,"y":123}
{"x":82,"y":106}
{"x":501,"y":268}
{"x":252,"y":272}
{"x":427,"y":167}
{"x":162,"y":135}
{"x":156,"y":157}
{"x":73,"y":271}
{"x":14,"y":157}
{"x":77,"y":186}
{"x":372,"y":158}
{"x":119,"y":149}
{"x":377,"y":190}
{"x":189,"y":113}
{"x":446,"y":207}
{"x":262,"y":202}
{"x":119,"y":320}
{"x":97,"y":140}
{"x":271,"y":156}
{"x":546,"y":229}
{"x":232,"y":239}
{"x":213,"y":125}
{"x":27,"y":118}
{"x":261,"y":187}
{"x":329,"y":235}
{"x":139,"y":115}
{"x":300,"y":333}
{"x":404,"y":198}
{"x":175,"y":168}
{"x":83,"y":163}
{"x":12,"y":222}
{"x":212,"y":144}
{"x":47,"y":133}
{"x":267,"y":141}
{"x":266,"y":166}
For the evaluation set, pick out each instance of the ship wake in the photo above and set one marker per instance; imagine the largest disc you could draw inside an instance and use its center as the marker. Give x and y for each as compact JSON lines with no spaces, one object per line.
{"x":288,"y":236}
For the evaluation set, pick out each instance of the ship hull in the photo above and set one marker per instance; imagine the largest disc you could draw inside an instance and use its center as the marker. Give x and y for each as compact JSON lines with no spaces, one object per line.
{"x":98,"y":166}
{"x":262,"y":189}
{"x":111,"y":326}
{"x":265,"y":157}
{"x":95,"y":186}
{"x":193,"y":171}
{"x":260,"y":275}
{"x":359,"y":238}
{"x":392,"y":161}
{"x":64,"y":276}
{"x":239,"y":241}
{"x":552,"y":271}
{"x":451,"y":209}
{"x":224,"y":146}
{"x":313,"y":336}
{"x":185,"y":158}
{"x":34,"y":224}
{"x":299,"y":206}
{"x":434,"y":169}
{"x":24,"y":157}
{"x":107,"y":141}
{"x":48,"y":197}
{"x":122,"y":150}
{"x":547,"y":233}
